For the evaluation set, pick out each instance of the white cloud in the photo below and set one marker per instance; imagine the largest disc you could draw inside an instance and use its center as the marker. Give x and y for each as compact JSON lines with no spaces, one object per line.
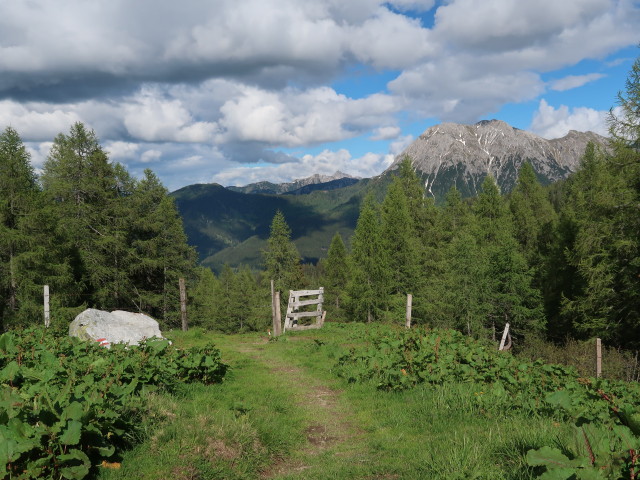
{"x":574,"y":81}
{"x":149,"y":156}
{"x":451,"y":90}
{"x":415,"y":5}
{"x":119,"y":151}
{"x":211,"y":84}
{"x":386,"y":133}
{"x":370,"y":42}
{"x":294,"y":118}
{"x":39,"y":152}
{"x":550,"y":122}
{"x":326,"y":163}
{"x":151,"y":117}
{"x":400,"y":144}
{"x":36,"y":121}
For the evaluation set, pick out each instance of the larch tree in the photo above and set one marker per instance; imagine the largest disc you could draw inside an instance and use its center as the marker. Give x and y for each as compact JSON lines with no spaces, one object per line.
{"x":368,"y":286}
{"x":18,"y":201}
{"x":511,"y":294}
{"x":161,"y":254}
{"x":336,"y":271}
{"x":281,"y":257}
{"x":79,"y":183}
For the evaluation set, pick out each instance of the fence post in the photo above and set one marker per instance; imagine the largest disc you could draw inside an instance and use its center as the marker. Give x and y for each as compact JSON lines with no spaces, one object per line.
{"x":47,"y":313}
{"x":598,"y":358}
{"x":504,"y":337}
{"x":278,"y":317}
{"x":273,"y":309}
{"x":183,"y":305}
{"x":409,"y":302}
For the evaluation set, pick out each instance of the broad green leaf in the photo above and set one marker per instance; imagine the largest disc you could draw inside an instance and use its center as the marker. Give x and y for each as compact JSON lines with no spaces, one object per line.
{"x":79,"y":467}
{"x":558,"y":474}
{"x":71,"y":436}
{"x":10,"y":372}
{"x":73,"y":411}
{"x":560,"y":398}
{"x":551,"y":457}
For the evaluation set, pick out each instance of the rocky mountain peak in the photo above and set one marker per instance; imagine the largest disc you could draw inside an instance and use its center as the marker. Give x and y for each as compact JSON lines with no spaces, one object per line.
{"x":463,"y":155}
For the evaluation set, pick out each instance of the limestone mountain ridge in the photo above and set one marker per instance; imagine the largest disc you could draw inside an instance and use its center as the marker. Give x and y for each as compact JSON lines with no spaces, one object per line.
{"x":463,"y":155}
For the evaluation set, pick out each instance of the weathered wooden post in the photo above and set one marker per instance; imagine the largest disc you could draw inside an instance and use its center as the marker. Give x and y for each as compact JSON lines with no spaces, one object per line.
{"x":409,"y":302}
{"x":47,"y":313}
{"x":274,"y":326}
{"x":277,"y":326}
{"x":183,"y":305}
{"x":598,"y":358}
{"x":504,"y":337}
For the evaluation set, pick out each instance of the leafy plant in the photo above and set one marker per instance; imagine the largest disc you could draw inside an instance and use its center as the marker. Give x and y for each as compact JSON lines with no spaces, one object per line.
{"x":66,"y":405}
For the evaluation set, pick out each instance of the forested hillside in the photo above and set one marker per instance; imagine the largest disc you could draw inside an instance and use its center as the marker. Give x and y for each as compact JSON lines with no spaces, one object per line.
{"x":86,"y":228}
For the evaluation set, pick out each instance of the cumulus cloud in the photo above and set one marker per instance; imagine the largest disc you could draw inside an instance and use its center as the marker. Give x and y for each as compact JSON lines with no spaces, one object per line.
{"x":575,"y":81}
{"x":208,"y":85}
{"x":415,"y":5}
{"x":39,"y":151}
{"x":325,"y":163}
{"x":294,"y":118}
{"x":386,"y":133}
{"x":397,"y":147}
{"x":550,"y":122}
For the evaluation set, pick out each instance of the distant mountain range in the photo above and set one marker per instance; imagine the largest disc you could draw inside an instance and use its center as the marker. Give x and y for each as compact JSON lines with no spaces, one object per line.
{"x":300,"y":186}
{"x":231,"y":225}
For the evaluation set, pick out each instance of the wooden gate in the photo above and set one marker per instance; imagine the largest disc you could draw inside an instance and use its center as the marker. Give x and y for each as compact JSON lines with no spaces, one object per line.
{"x":292,"y":319}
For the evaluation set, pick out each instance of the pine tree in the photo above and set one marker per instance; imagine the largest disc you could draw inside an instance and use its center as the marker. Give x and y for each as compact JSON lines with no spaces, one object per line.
{"x":253,"y":305}
{"x":160,"y":251}
{"x":336,"y":273}
{"x":79,"y":183}
{"x":511,"y":295}
{"x":367,"y":288}
{"x":18,"y":200}
{"x":227,"y":302}
{"x":202,"y":299}
{"x":533,"y":215}
{"x":281,"y":258}
{"x":605,"y":250}
{"x":400,"y":243}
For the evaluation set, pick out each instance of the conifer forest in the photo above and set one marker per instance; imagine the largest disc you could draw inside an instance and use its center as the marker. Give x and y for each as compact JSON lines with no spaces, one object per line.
{"x":556,"y":262}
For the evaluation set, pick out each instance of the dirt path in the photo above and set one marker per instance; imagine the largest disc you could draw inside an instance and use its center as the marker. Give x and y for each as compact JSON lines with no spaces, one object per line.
{"x":331,"y":431}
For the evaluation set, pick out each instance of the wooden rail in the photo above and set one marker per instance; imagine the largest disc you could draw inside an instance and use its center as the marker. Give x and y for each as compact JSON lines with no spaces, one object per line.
{"x":293,"y":315}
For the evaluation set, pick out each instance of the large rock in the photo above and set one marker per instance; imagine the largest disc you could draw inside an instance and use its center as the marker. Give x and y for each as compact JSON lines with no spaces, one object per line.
{"x":114,"y":327}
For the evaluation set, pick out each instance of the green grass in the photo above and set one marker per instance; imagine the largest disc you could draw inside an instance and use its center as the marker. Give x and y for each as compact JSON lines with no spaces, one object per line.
{"x":283,"y":413}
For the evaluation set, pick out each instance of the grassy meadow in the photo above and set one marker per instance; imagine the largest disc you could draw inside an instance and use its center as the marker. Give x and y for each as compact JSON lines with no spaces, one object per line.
{"x":283,"y":413}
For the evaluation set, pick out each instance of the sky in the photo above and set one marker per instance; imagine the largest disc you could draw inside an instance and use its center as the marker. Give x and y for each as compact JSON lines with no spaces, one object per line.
{"x":239,"y":91}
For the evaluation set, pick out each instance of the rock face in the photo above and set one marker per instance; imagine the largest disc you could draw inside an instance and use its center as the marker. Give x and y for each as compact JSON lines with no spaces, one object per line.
{"x":463,"y":155}
{"x":114,"y":327}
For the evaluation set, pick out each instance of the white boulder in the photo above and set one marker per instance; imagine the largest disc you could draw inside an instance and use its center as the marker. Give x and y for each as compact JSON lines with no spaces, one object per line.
{"x":115,"y":327}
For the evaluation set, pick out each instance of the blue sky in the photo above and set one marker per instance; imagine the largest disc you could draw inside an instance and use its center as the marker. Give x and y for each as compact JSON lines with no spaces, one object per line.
{"x":237,"y":91}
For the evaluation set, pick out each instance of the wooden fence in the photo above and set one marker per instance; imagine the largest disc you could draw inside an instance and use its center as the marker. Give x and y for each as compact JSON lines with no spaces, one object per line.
{"x":293,"y":316}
